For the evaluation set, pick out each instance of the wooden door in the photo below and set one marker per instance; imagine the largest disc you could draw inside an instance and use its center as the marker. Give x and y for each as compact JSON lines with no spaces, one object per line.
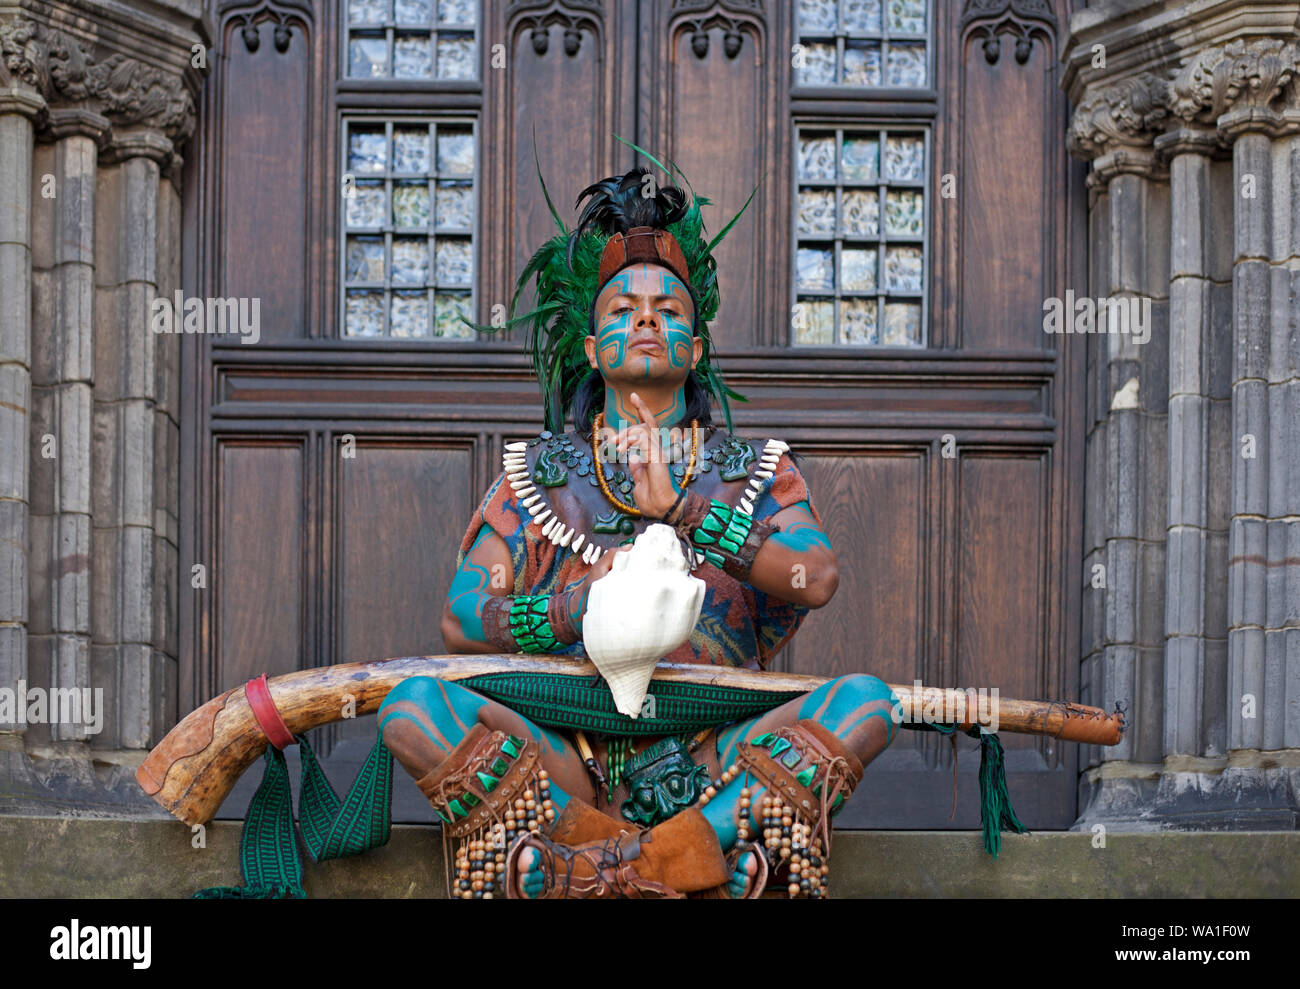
{"x":329,"y":469}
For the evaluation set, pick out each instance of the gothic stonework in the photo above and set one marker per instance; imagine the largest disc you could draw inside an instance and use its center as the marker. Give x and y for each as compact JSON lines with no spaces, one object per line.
{"x":123,"y":89}
{"x":1253,"y":82}
{"x":1126,"y":113}
{"x":1237,"y":77}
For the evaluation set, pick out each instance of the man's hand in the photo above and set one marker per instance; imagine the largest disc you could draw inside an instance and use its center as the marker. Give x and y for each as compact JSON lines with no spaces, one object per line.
{"x":578,"y":595}
{"x":652,"y":483}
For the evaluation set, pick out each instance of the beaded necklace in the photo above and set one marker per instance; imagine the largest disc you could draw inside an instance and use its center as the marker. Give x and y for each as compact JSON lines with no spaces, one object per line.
{"x":632,"y":510}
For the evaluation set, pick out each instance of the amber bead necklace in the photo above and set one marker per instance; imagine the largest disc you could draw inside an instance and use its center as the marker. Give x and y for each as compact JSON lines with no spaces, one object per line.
{"x":632,"y":510}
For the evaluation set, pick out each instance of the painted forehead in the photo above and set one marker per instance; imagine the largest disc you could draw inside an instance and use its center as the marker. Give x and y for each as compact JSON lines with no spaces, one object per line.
{"x":643,"y":280}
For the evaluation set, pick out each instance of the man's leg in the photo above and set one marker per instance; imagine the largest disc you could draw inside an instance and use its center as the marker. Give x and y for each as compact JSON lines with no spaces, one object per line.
{"x":423,"y":718}
{"x":855,"y":709}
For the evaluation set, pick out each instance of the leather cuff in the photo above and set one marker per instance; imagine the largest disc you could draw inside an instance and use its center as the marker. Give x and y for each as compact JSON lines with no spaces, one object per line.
{"x":557,"y":613}
{"x":693,"y":511}
{"x":495,"y":618}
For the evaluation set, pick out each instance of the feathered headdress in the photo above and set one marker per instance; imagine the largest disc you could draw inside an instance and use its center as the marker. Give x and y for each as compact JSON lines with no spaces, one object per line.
{"x":567,"y":268}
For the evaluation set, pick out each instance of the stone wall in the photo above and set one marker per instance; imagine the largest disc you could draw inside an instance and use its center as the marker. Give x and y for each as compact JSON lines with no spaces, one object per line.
{"x":96,"y":101}
{"x":1190,"y":115}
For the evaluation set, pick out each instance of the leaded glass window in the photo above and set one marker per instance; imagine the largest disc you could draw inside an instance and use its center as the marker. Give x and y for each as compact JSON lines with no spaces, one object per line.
{"x":864,"y":43}
{"x":861,"y":225}
{"x":411,"y":39}
{"x":408,"y":227}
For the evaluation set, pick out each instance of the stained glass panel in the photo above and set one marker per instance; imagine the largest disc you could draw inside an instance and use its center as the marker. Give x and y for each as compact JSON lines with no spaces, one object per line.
{"x":850,"y":268}
{"x":417,"y":173}
{"x":816,"y":211}
{"x":410,"y":314}
{"x":411,"y":204}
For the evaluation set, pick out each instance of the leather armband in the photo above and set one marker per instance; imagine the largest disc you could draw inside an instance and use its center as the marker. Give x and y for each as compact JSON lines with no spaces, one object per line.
{"x":561,"y":621}
{"x":695,"y":508}
{"x":495,"y":618}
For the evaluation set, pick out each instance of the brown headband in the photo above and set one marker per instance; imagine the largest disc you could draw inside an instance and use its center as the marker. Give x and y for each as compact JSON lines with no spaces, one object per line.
{"x":642,"y":245}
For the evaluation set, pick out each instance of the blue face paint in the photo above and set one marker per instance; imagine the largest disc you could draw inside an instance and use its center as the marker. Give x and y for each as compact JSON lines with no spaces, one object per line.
{"x":627,"y":299}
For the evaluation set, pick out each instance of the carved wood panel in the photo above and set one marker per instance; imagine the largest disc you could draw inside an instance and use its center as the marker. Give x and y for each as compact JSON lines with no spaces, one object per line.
{"x":259,"y":573}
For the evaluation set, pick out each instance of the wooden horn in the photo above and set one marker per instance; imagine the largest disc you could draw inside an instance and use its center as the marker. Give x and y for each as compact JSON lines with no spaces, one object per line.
{"x":193,"y":769}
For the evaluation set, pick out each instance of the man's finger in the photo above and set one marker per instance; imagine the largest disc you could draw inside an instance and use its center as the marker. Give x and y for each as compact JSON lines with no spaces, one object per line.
{"x":643,"y":410}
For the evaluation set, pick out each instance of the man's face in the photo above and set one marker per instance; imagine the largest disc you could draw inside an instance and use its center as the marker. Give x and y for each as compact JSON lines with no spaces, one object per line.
{"x":643,"y":328}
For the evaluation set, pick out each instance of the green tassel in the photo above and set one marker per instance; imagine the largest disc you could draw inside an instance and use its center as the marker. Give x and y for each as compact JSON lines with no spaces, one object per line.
{"x":996,"y":812}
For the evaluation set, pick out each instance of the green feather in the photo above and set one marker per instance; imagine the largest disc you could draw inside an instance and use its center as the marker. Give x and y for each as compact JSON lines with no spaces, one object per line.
{"x":565,"y":296}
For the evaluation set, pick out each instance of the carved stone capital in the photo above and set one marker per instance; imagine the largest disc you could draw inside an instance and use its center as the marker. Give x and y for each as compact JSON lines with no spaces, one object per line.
{"x":1188,"y":139}
{"x":65,"y":72}
{"x":140,"y":142}
{"x":1240,"y":86}
{"x":72,"y":121}
{"x":1126,"y":161}
{"x":1128,"y":113}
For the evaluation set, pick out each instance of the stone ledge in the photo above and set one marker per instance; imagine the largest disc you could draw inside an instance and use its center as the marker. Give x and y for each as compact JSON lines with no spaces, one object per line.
{"x":62,"y":857}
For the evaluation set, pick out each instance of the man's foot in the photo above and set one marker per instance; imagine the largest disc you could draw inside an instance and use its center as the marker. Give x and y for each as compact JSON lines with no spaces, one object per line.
{"x":745,"y":874}
{"x":532,"y":878}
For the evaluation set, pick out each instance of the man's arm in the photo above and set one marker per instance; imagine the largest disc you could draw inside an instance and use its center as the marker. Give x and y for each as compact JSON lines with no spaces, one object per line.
{"x":471,"y":588}
{"x":487,"y":572}
{"x":796,"y":564}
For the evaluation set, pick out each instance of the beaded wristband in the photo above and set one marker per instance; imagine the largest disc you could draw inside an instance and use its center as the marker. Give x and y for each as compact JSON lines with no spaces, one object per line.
{"x":730,"y":539}
{"x":530,"y":624}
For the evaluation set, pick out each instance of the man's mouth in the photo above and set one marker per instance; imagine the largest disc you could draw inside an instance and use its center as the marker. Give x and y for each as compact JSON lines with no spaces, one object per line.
{"x":654,"y":345}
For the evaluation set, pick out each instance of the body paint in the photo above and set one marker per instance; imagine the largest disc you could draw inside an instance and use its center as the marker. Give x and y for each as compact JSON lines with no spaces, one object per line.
{"x":469,"y":590}
{"x":800,"y":536}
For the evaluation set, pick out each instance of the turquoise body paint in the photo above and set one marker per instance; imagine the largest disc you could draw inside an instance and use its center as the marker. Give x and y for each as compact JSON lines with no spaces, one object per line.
{"x":451,"y":710}
{"x":800,"y":537}
{"x":468,"y":591}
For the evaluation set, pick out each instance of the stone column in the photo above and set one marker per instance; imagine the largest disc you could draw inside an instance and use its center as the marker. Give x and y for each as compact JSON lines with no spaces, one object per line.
{"x":63,"y":379}
{"x":93,"y":105}
{"x":20,"y":105}
{"x":1264,"y":566}
{"x":1125,"y":507}
{"x":124,"y":416}
{"x":1200,"y":293}
{"x":1215,"y":97}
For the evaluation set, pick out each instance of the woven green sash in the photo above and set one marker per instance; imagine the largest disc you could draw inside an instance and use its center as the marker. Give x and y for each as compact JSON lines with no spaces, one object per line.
{"x":268,"y":849}
{"x":332,"y":828}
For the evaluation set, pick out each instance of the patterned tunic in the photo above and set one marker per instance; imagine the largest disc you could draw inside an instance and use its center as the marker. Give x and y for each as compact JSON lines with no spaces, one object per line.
{"x":738,"y":624}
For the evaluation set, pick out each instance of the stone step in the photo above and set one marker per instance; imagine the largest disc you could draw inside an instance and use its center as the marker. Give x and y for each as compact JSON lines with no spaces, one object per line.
{"x":95,"y":857}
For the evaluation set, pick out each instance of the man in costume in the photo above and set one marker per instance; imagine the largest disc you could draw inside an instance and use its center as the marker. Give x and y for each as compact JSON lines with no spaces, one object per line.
{"x":620,"y":340}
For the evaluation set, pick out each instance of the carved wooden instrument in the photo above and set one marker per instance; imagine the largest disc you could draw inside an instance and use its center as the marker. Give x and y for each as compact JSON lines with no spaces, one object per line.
{"x":192,"y":770}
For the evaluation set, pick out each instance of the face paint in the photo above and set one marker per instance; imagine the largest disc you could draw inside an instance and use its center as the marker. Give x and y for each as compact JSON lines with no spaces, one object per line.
{"x":636,"y":289}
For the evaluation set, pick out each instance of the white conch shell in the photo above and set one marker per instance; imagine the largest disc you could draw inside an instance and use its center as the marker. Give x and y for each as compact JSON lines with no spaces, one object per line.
{"x":643,"y":609}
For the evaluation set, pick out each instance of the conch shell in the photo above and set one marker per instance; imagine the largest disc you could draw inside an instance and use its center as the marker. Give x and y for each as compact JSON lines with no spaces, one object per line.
{"x":640,"y":611}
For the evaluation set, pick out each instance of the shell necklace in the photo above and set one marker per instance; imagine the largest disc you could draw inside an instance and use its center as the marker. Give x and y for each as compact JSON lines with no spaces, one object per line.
{"x":515,"y":466}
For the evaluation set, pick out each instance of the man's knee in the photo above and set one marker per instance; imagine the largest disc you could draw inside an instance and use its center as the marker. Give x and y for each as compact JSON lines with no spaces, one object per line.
{"x":425,"y":693}
{"x":856,"y":700}
{"x":865,"y":688}
{"x":409,"y":721}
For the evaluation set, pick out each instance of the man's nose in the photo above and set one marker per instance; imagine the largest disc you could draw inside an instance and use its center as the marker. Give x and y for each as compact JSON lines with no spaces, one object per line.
{"x":646,"y":316}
